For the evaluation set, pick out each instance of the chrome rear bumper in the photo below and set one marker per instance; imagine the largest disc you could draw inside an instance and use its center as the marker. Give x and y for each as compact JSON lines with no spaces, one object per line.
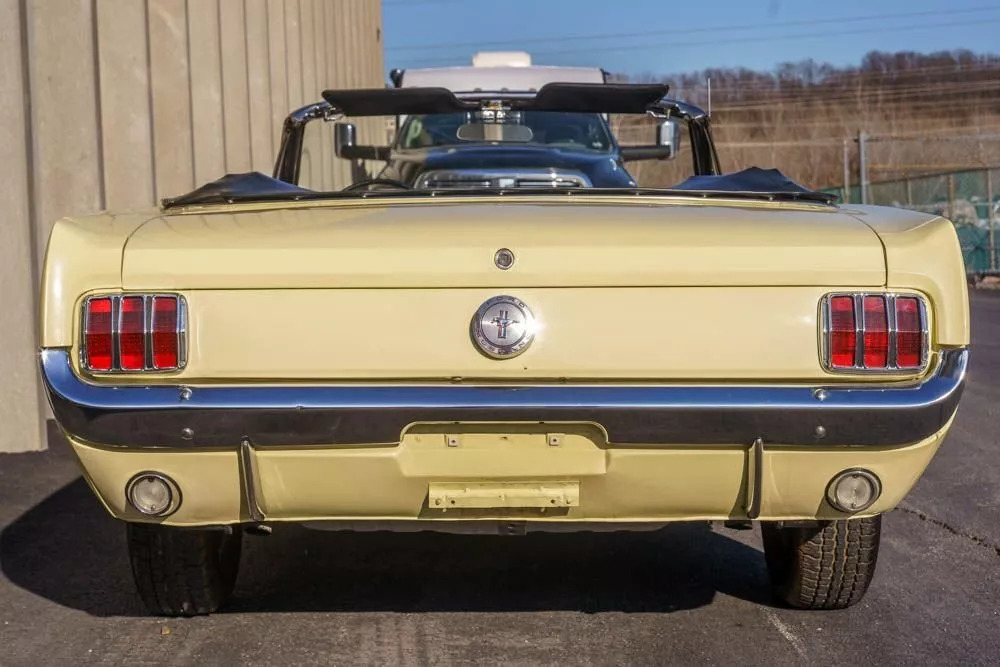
{"x":632,"y":415}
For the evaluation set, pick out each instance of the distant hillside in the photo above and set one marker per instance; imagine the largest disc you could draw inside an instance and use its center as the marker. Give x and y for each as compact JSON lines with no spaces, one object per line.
{"x":925,"y":112}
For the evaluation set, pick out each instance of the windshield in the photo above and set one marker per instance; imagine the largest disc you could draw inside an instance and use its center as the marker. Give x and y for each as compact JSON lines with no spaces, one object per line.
{"x":579,"y":131}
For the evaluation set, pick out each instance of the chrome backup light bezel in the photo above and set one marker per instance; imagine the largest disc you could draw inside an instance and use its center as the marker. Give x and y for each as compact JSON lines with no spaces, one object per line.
{"x":872,"y":479}
{"x":892,"y":368}
{"x":148,"y":303}
{"x":172,"y":489}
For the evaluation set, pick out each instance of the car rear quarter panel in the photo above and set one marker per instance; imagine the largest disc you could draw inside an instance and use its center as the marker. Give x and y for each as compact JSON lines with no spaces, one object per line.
{"x":922,"y":252}
{"x":83,"y":255}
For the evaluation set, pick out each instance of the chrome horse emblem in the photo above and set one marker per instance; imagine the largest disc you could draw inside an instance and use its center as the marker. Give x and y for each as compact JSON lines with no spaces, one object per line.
{"x":503,"y":327}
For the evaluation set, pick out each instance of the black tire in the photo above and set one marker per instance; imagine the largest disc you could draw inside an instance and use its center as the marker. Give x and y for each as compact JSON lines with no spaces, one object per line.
{"x":183,"y":571}
{"x":828,"y":566}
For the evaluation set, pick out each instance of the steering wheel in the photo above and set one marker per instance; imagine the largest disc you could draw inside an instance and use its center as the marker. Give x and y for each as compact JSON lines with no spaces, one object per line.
{"x":367,"y":184}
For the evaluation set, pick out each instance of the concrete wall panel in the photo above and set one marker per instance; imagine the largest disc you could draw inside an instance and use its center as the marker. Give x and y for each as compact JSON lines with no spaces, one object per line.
{"x":334,"y":78}
{"x":209,"y":131}
{"x":235,"y":95}
{"x":320,"y":10}
{"x":66,"y":157}
{"x":293,"y":47}
{"x":259,"y":86}
{"x":278,"y":64}
{"x":127,"y":135}
{"x":22,"y":406}
{"x":309,"y":86}
{"x":116,"y":103}
{"x":169,"y":66}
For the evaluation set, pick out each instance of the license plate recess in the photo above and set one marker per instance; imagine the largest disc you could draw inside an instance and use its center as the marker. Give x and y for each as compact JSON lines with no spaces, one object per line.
{"x":490,"y":495}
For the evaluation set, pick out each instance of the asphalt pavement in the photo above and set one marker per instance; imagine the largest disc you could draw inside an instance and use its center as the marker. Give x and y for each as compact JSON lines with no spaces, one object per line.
{"x":686,"y":594}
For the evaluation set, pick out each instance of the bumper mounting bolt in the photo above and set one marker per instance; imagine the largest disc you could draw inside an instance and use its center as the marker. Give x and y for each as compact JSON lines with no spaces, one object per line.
{"x":187,"y":433}
{"x":820,"y":431}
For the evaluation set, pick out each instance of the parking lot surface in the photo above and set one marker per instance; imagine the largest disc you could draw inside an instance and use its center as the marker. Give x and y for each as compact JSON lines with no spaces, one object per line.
{"x":686,"y":594}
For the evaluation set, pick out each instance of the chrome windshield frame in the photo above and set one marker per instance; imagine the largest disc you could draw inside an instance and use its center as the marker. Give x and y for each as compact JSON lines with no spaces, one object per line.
{"x":704,"y":155}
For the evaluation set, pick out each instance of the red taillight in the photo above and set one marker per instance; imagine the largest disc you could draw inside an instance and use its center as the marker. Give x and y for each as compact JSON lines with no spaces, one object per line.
{"x":132,"y":334}
{"x":166,"y":332}
{"x":97,"y":337}
{"x":876,"y":328}
{"x":909,"y":333}
{"x":875,"y":332}
{"x":843,"y":335}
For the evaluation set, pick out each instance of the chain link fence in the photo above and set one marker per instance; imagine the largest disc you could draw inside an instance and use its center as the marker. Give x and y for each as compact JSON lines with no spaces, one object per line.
{"x":969,"y":198}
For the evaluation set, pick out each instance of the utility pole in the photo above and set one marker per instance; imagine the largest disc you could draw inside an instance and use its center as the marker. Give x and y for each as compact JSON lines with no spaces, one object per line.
{"x":863,"y":165}
{"x":847,"y":173}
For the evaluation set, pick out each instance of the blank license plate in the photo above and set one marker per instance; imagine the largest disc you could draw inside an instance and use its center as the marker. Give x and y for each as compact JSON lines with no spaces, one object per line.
{"x":484,"y":495}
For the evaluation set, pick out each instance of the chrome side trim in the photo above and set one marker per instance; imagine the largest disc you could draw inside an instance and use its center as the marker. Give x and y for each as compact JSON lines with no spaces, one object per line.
{"x":886,"y":413}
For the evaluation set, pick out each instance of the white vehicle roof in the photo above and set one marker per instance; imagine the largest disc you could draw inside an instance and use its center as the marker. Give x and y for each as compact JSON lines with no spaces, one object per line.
{"x":499,"y":70}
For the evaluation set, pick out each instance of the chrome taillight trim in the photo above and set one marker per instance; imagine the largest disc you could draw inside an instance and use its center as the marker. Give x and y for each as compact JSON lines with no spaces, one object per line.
{"x":85,"y":331}
{"x":859,"y":333}
{"x":116,"y":333}
{"x":180,"y":330}
{"x":148,"y":302}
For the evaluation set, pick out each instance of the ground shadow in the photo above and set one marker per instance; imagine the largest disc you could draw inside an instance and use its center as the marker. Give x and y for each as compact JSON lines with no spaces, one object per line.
{"x":68,"y":550}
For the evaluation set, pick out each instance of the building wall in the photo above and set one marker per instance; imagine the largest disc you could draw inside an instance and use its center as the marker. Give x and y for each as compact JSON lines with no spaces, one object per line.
{"x":112,"y":104}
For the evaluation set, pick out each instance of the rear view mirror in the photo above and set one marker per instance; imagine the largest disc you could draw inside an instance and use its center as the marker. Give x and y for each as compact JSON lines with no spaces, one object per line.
{"x":668,"y":144}
{"x":668,"y":135}
{"x":494,"y":132}
{"x":345,"y":145}
{"x":344,"y":137}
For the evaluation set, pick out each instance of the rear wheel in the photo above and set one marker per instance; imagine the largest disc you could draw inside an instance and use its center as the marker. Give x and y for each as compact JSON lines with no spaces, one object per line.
{"x":181,"y":571}
{"x":828,"y":566}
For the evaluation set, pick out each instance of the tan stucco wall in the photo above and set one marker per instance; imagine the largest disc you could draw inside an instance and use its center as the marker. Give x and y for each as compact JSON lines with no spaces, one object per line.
{"x":110,"y":104}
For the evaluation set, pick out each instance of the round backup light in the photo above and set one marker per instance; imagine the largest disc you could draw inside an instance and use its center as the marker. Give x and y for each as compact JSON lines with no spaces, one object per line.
{"x":854,"y":490}
{"x":152,"y":494}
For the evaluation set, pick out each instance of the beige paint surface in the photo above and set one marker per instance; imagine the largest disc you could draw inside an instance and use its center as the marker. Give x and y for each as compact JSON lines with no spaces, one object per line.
{"x":115,"y":103}
{"x":677,"y":483}
{"x":670,"y":289}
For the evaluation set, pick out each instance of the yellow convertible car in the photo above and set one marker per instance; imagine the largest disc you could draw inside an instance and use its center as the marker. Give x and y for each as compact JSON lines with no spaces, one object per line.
{"x":501,"y":356}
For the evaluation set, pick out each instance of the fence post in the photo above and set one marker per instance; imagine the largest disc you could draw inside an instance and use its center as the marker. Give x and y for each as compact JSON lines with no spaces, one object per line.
{"x":991,"y":218}
{"x":863,"y":166}
{"x":909,"y":193}
{"x":951,"y":197}
{"x":847,"y":174}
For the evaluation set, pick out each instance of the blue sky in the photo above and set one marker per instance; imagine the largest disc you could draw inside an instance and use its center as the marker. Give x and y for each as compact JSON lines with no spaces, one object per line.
{"x":661,"y":37}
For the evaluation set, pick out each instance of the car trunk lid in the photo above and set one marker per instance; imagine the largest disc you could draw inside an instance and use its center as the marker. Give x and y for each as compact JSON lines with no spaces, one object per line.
{"x":447,"y":245}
